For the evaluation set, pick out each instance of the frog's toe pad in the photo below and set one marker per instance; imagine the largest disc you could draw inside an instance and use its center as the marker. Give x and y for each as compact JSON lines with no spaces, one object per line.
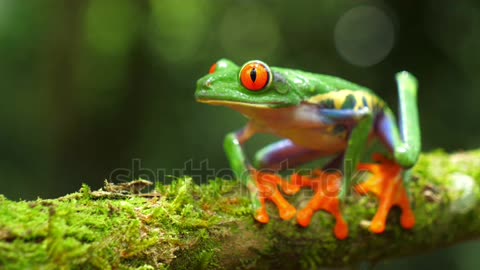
{"x":377,"y":226}
{"x":341,"y":229}
{"x":261,"y":215}
{"x":387,"y":184}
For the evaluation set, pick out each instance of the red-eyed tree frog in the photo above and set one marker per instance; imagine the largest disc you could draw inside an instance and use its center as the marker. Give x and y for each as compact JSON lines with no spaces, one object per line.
{"x":316,"y":116}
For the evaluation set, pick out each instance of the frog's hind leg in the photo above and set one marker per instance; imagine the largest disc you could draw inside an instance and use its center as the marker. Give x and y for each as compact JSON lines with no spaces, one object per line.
{"x":387,"y":180}
{"x":389,"y":176}
{"x":284,"y":155}
{"x":326,"y":183}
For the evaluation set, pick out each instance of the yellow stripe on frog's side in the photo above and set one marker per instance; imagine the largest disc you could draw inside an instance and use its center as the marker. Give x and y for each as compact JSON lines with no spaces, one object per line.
{"x":344,"y":98}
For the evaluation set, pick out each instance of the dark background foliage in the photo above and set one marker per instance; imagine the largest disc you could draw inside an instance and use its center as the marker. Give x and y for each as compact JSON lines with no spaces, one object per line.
{"x":103,"y":89}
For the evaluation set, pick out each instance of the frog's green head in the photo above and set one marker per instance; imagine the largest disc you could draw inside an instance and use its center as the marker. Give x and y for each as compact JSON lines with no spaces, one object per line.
{"x":254,"y":84}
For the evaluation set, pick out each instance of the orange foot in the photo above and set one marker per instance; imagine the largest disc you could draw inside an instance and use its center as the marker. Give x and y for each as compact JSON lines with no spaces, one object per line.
{"x":267,"y":185}
{"x":326,"y":187}
{"x":387,"y":184}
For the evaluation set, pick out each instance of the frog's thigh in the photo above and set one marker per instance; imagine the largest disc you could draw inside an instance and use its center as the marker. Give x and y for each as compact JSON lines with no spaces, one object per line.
{"x":384,"y":129}
{"x":284,"y":154}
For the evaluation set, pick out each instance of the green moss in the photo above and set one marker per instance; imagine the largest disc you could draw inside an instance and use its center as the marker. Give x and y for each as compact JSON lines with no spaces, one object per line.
{"x":187,"y":226}
{"x":86,"y":191}
{"x":93,"y":231}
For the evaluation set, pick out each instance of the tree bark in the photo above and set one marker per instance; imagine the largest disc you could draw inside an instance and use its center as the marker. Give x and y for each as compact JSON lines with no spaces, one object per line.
{"x":184,"y":225}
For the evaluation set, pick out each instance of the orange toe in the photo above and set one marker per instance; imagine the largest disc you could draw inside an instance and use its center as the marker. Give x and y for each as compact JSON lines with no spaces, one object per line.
{"x":377,"y":226}
{"x":304,"y":217}
{"x":267,"y":185}
{"x":327,"y":188}
{"x":387,"y":184}
{"x":341,"y":229}
{"x":287,"y":187}
{"x":288,"y":212}
{"x":407,"y":219}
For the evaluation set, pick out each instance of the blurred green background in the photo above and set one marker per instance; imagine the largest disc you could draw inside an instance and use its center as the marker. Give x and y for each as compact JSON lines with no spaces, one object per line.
{"x":91,"y":87}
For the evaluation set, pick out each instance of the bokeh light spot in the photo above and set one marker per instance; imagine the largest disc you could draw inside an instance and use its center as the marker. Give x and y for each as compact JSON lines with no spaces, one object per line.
{"x":364,"y":36}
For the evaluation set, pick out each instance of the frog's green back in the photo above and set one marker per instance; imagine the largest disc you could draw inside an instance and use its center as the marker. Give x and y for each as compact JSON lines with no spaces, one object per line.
{"x":328,"y":91}
{"x":310,"y":84}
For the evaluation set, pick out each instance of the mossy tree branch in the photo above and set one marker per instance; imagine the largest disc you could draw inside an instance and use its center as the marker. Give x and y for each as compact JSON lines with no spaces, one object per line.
{"x":184,"y":225}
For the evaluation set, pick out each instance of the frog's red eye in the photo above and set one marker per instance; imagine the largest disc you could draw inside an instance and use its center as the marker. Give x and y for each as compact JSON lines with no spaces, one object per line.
{"x":213,"y":68}
{"x":255,"y":75}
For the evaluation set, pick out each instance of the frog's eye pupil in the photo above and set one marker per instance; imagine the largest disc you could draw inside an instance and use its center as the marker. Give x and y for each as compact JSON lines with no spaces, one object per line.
{"x":213,"y":68}
{"x":255,"y":76}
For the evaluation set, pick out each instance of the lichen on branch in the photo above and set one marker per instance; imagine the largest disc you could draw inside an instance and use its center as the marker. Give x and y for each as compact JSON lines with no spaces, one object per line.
{"x":184,"y":225}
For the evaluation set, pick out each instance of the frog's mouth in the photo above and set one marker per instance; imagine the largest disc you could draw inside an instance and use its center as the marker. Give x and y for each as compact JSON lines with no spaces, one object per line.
{"x":229,"y":103}
{"x":237,"y":100}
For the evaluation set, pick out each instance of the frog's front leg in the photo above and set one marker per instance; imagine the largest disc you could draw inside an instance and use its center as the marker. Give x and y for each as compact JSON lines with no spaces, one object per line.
{"x":332,"y":186}
{"x":387,"y":183}
{"x":389,"y":176}
{"x":262,"y":186}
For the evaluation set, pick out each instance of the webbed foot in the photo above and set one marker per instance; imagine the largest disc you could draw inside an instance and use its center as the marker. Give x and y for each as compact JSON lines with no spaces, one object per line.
{"x":327,"y":188}
{"x":267,"y":186}
{"x":387,"y":184}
